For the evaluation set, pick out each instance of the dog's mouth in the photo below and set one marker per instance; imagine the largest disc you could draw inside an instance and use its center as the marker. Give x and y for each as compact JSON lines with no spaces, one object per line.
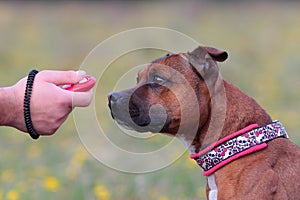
{"x":134,"y":111}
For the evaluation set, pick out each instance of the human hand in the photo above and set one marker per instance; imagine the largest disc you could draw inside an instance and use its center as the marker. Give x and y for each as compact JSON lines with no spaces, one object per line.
{"x":50,"y":105}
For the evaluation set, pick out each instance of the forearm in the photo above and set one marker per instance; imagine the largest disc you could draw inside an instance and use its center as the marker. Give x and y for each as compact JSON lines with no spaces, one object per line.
{"x":10,"y":107}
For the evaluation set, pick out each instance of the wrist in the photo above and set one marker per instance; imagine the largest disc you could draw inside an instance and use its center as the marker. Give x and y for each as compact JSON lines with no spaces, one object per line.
{"x":10,"y":107}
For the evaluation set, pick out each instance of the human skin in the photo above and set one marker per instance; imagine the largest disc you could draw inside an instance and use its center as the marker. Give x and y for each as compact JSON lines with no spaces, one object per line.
{"x":50,"y":104}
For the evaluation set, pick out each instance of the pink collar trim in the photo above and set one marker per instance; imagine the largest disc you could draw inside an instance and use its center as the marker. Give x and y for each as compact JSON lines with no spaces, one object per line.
{"x":243,"y":142}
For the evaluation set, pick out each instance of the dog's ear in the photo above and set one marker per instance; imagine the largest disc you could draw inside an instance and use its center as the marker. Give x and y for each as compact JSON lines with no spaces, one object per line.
{"x":204,"y":59}
{"x":216,"y":54}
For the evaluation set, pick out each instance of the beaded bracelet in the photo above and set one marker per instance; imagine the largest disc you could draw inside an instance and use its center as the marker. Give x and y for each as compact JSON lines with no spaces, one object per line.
{"x":27,"y":96}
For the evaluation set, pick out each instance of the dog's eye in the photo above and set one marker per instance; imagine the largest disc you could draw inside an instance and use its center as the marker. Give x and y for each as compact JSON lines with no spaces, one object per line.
{"x":157,"y":81}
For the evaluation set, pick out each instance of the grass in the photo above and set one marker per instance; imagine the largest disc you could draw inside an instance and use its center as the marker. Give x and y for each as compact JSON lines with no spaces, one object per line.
{"x":263,"y":43}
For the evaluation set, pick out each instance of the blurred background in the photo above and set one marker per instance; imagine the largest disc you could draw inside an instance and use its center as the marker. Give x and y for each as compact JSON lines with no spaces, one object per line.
{"x":262,"y":38}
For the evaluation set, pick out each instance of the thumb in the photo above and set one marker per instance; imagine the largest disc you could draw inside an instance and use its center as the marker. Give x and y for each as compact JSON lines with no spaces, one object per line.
{"x":82,"y":99}
{"x":61,"y":77}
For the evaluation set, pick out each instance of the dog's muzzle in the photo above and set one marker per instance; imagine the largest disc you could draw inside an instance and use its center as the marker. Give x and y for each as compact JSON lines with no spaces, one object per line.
{"x":126,"y":112}
{"x":120,"y":106}
{"x":133,"y":113}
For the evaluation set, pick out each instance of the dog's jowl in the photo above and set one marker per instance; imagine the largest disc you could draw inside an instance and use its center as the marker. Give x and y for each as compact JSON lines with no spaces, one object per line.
{"x":242,"y":151}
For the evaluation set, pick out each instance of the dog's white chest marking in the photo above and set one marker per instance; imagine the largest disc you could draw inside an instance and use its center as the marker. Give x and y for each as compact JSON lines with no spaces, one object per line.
{"x":213,"y":189}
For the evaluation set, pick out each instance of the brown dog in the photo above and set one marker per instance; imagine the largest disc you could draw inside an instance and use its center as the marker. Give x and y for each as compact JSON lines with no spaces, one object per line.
{"x":243,"y":152}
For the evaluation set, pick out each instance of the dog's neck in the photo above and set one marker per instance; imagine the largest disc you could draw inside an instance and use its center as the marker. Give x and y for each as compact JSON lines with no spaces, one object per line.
{"x":240,"y":111}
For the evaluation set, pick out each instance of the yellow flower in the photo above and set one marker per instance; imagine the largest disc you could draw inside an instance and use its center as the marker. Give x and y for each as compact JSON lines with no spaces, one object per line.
{"x":51,"y":183}
{"x":12,"y":195}
{"x":101,"y":192}
{"x":163,"y":198}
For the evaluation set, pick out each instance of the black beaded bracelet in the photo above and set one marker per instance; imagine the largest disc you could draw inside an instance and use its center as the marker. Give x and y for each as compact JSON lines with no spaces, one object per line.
{"x":27,"y":96}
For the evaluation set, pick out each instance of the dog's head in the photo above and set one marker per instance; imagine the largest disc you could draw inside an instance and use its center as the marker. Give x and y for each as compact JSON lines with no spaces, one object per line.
{"x":164,"y":90}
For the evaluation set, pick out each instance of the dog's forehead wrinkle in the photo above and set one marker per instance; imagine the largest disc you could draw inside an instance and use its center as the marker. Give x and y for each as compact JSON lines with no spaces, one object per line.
{"x":161,"y":70}
{"x":142,"y":74}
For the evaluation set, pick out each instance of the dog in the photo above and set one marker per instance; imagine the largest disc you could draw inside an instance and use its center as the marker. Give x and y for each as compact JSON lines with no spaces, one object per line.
{"x":243,"y":153}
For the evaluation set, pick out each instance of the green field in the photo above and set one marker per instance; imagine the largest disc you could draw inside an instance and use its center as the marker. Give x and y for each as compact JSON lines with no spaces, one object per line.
{"x":263,"y":44}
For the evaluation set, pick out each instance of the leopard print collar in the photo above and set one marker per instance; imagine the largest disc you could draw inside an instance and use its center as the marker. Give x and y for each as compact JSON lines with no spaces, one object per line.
{"x":236,"y":145}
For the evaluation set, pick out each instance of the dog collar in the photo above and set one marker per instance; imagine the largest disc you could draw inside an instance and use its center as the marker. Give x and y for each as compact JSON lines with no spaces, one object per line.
{"x":246,"y":141}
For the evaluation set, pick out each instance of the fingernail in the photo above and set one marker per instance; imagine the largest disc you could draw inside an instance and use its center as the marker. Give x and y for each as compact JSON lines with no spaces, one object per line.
{"x":80,"y":73}
{"x":83,"y":80}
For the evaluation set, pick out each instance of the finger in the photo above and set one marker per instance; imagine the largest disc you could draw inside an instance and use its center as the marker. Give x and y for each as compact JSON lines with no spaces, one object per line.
{"x":61,"y":77}
{"x":82,"y":99}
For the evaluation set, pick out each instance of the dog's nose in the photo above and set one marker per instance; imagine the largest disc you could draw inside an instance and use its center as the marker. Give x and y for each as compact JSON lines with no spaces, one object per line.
{"x":112,"y":100}
{"x":113,"y":97}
